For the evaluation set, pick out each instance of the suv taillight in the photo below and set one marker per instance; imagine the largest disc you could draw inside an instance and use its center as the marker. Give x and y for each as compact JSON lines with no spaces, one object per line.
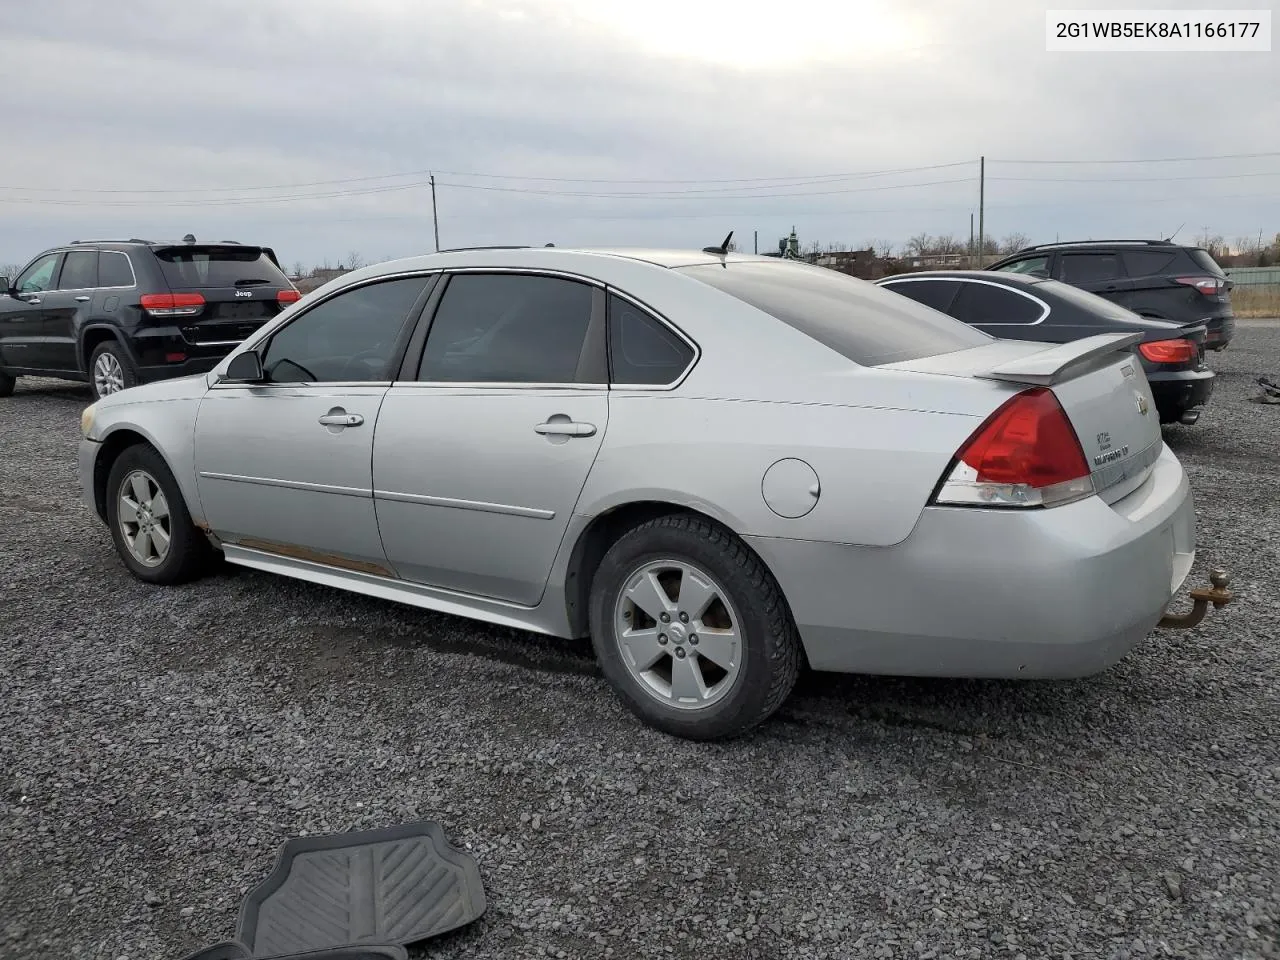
{"x":172,"y":304}
{"x":1209,"y":286}
{"x":1169,"y":351}
{"x":1026,"y":454}
{"x":288,"y":296}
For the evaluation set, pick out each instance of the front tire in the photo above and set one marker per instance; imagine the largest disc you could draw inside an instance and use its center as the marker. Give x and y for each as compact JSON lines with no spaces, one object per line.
{"x":692,"y":630}
{"x":110,"y":370}
{"x":149,"y":521}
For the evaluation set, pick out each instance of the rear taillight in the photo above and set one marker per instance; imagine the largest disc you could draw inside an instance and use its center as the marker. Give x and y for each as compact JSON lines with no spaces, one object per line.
{"x":1026,"y":454}
{"x":1209,"y":286}
{"x":172,"y":304}
{"x":288,"y":296}
{"x":1169,"y":351}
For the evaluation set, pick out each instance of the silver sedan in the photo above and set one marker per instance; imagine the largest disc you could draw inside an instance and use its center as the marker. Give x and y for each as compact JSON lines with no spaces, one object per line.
{"x":720,"y":467}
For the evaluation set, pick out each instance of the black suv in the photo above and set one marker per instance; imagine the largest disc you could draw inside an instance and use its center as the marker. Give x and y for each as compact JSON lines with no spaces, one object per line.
{"x":1153,"y":278}
{"x":120,"y":312}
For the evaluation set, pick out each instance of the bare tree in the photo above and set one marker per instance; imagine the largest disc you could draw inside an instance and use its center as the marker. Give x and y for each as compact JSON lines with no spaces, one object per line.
{"x":947,"y":243}
{"x":882,"y":248}
{"x":1013,"y":242}
{"x":10,"y":270}
{"x":920,"y":244}
{"x":298,"y":268}
{"x":355,"y":260}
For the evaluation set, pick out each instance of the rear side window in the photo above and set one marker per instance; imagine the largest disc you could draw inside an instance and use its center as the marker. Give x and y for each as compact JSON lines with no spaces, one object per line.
{"x":643,"y":350}
{"x":1204,"y":260}
{"x":193,"y":266}
{"x":79,"y":270}
{"x":988,"y":304}
{"x":114,"y":270}
{"x":1089,"y":267}
{"x":507,"y":328}
{"x":937,"y":294}
{"x":1147,"y":263}
{"x":855,"y":318}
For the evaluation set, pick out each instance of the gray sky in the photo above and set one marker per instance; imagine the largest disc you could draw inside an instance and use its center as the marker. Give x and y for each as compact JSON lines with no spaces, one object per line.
{"x":205,"y":105}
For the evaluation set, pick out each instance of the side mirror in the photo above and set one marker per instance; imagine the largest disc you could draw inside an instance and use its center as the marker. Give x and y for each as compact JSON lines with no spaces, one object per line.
{"x":4,"y":285}
{"x":244,"y":368}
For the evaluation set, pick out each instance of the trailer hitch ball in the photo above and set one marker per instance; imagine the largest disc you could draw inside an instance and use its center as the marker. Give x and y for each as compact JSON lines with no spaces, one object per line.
{"x":1217,"y":594}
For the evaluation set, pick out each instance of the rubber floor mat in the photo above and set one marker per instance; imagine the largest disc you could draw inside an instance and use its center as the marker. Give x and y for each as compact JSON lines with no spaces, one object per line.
{"x":232,"y":950}
{"x":394,"y":885}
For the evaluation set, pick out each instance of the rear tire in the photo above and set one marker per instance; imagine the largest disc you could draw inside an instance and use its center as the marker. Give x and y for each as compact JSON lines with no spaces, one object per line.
{"x":150,"y":523}
{"x":110,"y":370}
{"x":736,"y":673}
{"x":6,"y":384}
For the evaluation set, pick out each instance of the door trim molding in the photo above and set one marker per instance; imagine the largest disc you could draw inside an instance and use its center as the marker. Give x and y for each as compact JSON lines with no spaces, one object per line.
{"x":533,"y":513}
{"x":289,"y":484}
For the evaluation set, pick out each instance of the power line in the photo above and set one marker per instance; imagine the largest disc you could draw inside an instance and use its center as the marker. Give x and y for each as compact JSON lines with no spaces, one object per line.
{"x":1202,"y":176}
{"x":1230,"y":156}
{"x":500,"y":176}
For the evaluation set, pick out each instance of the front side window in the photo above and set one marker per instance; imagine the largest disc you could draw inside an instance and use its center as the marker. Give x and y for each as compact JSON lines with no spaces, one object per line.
{"x":39,"y":276}
{"x":79,"y":271}
{"x":1029,"y":265}
{"x":643,"y":350}
{"x":507,"y":328}
{"x":349,"y":337}
{"x":983,"y":303}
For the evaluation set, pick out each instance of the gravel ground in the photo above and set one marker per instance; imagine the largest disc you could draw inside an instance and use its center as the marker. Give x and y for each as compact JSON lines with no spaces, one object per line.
{"x":156,"y":746}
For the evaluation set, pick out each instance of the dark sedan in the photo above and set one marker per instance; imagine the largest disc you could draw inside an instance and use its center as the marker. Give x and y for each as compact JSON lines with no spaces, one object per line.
{"x":1024,"y":307}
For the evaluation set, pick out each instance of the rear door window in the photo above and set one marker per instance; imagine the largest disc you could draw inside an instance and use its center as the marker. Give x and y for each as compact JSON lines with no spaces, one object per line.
{"x":195,"y":266}
{"x":1089,"y":267}
{"x":937,"y":294}
{"x":988,"y":304}
{"x":855,"y":318}
{"x":79,"y":270}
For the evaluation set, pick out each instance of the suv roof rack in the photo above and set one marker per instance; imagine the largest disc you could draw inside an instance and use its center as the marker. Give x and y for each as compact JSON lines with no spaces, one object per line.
{"x":1084,"y":243}
{"x":496,"y":246}
{"x":110,"y":240}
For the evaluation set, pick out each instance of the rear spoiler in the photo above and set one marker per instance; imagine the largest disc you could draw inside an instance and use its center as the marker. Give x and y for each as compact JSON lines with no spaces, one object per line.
{"x":1056,"y":363}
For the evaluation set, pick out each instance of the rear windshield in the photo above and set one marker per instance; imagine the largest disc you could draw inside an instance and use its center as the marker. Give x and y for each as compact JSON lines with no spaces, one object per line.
{"x":1086,"y":301}
{"x":1204,"y":260}
{"x":195,"y":265}
{"x":857,"y":319}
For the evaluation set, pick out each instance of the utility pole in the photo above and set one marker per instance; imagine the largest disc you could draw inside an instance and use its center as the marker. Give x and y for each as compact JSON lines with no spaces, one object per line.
{"x":982,"y":202}
{"x":970,"y":239}
{"x":435,"y":222}
{"x":755,"y":240}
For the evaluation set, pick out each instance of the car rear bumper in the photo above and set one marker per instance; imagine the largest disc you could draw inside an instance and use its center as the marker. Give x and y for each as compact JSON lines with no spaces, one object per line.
{"x":162,"y":353}
{"x":1219,"y":331}
{"x":1063,"y":592}
{"x":1176,"y":393}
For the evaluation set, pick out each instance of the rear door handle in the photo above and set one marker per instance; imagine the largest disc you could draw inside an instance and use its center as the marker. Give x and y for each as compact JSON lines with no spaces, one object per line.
{"x":83,"y":299}
{"x":565,"y":428}
{"x":342,"y":420}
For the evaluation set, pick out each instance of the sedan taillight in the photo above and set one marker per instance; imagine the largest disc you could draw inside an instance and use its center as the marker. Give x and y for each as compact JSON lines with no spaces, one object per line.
{"x":1169,"y":351}
{"x":172,"y":304}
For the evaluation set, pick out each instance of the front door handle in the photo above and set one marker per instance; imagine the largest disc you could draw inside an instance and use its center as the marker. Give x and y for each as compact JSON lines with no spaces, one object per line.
{"x":342,"y":420}
{"x":83,"y":299}
{"x":565,"y":428}
{"x":30,"y":299}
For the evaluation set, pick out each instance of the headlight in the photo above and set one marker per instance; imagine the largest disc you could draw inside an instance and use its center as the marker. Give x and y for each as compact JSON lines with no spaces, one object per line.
{"x":86,"y":419}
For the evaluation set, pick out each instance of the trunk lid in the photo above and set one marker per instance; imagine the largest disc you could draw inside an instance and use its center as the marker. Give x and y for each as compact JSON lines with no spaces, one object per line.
{"x":1101,"y":386}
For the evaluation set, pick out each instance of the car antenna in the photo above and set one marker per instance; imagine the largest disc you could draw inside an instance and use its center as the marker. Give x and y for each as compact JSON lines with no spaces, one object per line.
{"x":1169,"y":239}
{"x":722,"y":249}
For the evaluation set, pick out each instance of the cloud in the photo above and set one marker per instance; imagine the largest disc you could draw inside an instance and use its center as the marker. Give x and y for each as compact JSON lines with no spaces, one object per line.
{"x":209,"y":102}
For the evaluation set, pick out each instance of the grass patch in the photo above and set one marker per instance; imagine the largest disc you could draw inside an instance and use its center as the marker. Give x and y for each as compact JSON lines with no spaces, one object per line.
{"x":1254,"y":302}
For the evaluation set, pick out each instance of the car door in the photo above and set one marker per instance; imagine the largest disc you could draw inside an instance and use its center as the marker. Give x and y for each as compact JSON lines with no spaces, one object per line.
{"x":284,"y":465}
{"x":1006,"y":312}
{"x":72,"y":297}
{"x":1099,"y":272}
{"x":483,"y":447}
{"x":22,"y":314}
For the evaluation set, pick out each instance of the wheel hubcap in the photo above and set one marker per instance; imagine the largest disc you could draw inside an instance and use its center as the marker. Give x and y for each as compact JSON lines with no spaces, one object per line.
{"x":679,"y":634}
{"x":144,"y":518}
{"x":108,"y":377}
